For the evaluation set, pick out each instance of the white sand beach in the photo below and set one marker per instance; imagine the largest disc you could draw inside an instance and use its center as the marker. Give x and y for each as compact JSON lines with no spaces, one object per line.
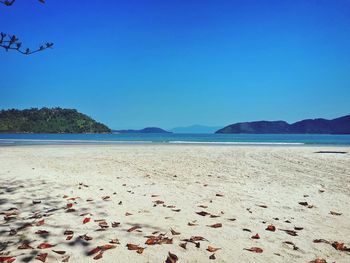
{"x":238,"y":191}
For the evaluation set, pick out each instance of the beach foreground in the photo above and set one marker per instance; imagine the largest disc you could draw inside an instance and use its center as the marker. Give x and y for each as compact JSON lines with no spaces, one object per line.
{"x":91,"y":201}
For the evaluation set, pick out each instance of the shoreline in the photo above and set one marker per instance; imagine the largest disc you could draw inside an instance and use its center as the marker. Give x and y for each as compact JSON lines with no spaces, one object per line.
{"x":40,"y":142}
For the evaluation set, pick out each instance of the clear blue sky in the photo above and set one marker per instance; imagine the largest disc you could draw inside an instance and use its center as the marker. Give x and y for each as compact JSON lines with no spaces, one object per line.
{"x":132,"y":64}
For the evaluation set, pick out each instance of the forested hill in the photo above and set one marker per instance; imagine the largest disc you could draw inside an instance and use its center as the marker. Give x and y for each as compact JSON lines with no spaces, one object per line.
{"x":311,"y":126}
{"x":49,"y":120}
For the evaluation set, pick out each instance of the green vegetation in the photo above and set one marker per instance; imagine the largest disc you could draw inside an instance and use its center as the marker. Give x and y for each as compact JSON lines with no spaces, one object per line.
{"x":45,"y":120}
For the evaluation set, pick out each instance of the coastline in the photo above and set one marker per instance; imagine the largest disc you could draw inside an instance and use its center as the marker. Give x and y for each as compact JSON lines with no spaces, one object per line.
{"x":254,"y":185}
{"x":182,"y":139}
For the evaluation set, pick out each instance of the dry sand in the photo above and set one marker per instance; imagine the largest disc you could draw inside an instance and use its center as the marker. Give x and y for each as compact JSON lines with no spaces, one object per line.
{"x":183,"y":177}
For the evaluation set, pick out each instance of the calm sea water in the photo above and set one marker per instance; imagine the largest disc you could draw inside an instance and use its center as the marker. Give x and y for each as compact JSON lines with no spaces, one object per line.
{"x":227,"y":139}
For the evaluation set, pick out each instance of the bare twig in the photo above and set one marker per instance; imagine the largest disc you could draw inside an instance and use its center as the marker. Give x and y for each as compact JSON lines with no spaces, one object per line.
{"x":11,"y":2}
{"x":11,"y":42}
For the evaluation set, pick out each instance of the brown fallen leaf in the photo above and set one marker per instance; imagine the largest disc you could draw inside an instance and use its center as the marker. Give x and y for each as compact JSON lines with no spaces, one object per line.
{"x":69,"y":237}
{"x":158,"y":202}
{"x":254,"y":249}
{"x":303,"y":203}
{"x":154,"y":195}
{"x":86,"y":220}
{"x":60,"y":252}
{"x":45,"y":245}
{"x":212,"y":249}
{"x":106,"y":247}
{"x":174,"y":233}
{"x":220,"y":195}
{"x":290,"y":232}
{"x":72,"y":198}
{"x":191,"y":224}
{"x":217,"y":225}
{"x":172,"y":258}
{"x":114,"y":241}
{"x":98,"y":256}
{"x":68,"y":232}
{"x":271,"y":228}
{"x":292,"y":244}
{"x":256,"y":236}
{"x":335,"y":213}
{"x":106,"y":197}
{"x":66,"y":259}
{"x":318,"y":260}
{"x":103,"y":224}
{"x":183,"y":245}
{"x":115,"y":224}
{"x":40,"y":222}
{"x":135,"y":247}
{"x":212,"y":257}
{"x":24,"y":246}
{"x":133,"y":228}
{"x":7,"y":259}
{"x":85,"y":237}
{"x":94,"y":251}
{"x":158,"y":240}
{"x":214,"y":216}
{"x":42,"y":232}
{"x":198,"y":238}
{"x":85,"y":214}
{"x":202,"y":213}
{"x":128,"y":214}
{"x":321,"y":241}
{"x":340,"y":246}
{"x":42,"y":257}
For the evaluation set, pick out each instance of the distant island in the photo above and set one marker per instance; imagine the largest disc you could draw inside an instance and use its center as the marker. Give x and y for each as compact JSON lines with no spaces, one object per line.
{"x":311,"y":126}
{"x":48,"y":120}
{"x":145,"y":130}
{"x":195,"y":129}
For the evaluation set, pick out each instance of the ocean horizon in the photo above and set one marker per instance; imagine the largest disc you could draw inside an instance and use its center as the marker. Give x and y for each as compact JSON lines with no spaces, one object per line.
{"x":9,"y":139}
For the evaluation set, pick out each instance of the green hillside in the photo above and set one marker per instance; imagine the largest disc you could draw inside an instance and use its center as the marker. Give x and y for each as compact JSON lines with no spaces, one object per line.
{"x":49,"y":120}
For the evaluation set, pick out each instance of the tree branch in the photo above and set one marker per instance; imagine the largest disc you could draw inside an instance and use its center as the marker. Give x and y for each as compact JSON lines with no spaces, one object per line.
{"x":11,"y":2}
{"x":9,"y":42}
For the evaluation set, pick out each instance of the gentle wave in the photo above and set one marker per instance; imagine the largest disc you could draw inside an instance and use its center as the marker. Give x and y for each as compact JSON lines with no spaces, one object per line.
{"x":68,"y":141}
{"x":41,"y":141}
{"x":239,"y":143}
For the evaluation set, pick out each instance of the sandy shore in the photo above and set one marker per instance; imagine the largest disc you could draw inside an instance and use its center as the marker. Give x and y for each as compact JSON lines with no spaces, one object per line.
{"x":148,"y":190}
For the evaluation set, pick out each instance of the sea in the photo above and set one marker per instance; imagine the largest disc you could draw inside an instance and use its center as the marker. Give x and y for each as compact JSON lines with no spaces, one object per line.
{"x":176,"y":138}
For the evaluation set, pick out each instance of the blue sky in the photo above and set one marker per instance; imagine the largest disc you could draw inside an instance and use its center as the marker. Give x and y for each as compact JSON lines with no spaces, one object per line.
{"x":132,"y":64}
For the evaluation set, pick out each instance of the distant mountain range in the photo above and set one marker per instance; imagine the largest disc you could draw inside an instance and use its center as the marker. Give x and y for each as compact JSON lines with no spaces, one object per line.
{"x":145,"y":130}
{"x":195,"y":129}
{"x":310,"y":126}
